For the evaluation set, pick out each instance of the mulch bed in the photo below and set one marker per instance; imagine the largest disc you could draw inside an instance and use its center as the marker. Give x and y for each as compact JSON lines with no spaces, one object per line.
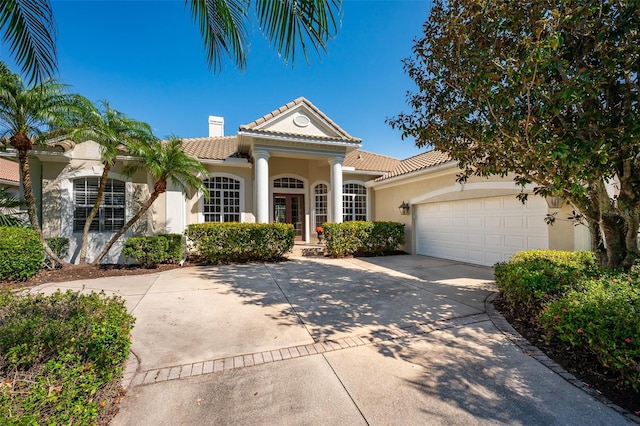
{"x":579,"y":362}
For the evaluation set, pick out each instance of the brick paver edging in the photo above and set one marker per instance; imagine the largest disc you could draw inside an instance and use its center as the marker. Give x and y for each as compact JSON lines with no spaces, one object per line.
{"x":503,"y":325}
{"x":133,"y":378}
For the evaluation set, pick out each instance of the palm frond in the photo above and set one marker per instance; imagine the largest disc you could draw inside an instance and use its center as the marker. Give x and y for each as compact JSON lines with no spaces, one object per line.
{"x":9,"y":209}
{"x":30,"y":30}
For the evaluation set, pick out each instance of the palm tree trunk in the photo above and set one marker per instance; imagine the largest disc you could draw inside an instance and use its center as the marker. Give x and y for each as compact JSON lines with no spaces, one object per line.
{"x":92,"y":214}
{"x":126,"y":227}
{"x":31,"y":205}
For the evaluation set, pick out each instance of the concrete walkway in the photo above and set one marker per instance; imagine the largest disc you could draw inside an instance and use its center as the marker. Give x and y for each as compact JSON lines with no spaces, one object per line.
{"x":391,"y":340}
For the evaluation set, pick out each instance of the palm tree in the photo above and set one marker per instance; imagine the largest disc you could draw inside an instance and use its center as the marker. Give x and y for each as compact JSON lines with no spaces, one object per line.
{"x":30,"y":31}
{"x":26,"y":115}
{"x":166,"y":162}
{"x":286,"y":24}
{"x":113,"y":131}
{"x":29,"y":27}
{"x":9,"y":209}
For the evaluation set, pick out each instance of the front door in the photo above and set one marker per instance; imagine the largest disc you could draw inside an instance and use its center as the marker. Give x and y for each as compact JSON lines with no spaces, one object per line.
{"x":289,"y":208}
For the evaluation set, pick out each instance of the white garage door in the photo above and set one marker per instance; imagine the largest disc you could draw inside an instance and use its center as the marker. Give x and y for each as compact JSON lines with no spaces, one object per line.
{"x":482,"y":230}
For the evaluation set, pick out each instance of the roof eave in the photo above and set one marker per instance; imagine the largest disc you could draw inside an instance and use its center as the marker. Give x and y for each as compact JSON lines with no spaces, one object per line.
{"x":417,"y":173}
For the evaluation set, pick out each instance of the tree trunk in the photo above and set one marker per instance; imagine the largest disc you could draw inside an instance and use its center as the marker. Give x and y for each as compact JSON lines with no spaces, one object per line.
{"x":31,"y":204}
{"x":128,"y":225}
{"x":613,"y":228}
{"x":92,"y":214}
{"x":597,"y":242}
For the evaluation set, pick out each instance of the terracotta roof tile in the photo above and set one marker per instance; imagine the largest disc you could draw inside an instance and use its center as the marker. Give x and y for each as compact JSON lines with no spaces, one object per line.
{"x":9,"y":171}
{"x":417,"y":162}
{"x":301,"y":100}
{"x":363,"y":160}
{"x":216,"y":148}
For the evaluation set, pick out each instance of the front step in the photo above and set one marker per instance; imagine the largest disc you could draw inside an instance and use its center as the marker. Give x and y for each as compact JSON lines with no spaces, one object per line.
{"x":307,"y":250}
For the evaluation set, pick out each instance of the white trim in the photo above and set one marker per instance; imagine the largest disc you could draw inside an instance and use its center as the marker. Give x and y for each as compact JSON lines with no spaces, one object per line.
{"x":470,"y":187}
{"x":312,"y":194}
{"x":200,"y":214}
{"x":318,"y":140}
{"x":367,"y":194}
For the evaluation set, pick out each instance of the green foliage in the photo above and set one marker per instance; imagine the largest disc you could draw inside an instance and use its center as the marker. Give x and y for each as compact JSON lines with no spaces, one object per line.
{"x":60,"y":246}
{"x":544,"y":90}
{"x":21,"y":253}
{"x":603,"y":317}
{"x":10,"y":214}
{"x":57,"y":353}
{"x":241,"y":242}
{"x":532,"y":277}
{"x":152,"y":250}
{"x":349,"y":238}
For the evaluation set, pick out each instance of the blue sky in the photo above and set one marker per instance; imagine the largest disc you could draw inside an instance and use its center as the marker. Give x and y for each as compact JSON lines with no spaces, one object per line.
{"x":146,"y":58}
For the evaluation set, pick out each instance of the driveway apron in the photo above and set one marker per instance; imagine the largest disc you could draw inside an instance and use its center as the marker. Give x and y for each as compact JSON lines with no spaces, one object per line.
{"x":390,"y":340}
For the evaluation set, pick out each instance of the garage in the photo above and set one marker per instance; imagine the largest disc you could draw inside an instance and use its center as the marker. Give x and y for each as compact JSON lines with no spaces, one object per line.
{"x":482,"y":231}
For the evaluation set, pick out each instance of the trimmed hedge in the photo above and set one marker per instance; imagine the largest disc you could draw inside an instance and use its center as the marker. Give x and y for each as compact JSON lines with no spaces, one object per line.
{"x":61,"y":356}
{"x":149,"y":251}
{"x":533,"y":277}
{"x":21,"y":253}
{"x":349,"y":238}
{"x":241,"y":242}
{"x":604,"y":317}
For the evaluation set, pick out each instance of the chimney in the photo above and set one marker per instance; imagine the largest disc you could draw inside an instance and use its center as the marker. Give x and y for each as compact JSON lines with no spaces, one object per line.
{"x":216,"y":126}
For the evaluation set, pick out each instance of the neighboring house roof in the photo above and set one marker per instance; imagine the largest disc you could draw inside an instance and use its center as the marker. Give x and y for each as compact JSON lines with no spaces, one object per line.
{"x":363,"y":160}
{"x":299,"y":101}
{"x":9,"y":171}
{"x":216,"y":148}
{"x":417,"y":162}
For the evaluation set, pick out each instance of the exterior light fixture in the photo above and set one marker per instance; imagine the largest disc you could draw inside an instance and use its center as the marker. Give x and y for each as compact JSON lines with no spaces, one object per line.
{"x":554,"y":202}
{"x":404,"y":208}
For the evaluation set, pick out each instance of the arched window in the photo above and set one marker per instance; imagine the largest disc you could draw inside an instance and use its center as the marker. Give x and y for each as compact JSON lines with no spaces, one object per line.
{"x":110,"y":217}
{"x":321,"y":205}
{"x":289,"y":183}
{"x":223,"y":204}
{"x":354,"y":202}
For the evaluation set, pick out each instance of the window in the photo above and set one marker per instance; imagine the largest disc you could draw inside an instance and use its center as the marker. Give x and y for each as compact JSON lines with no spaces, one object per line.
{"x":110,"y":217}
{"x":354,"y":202}
{"x":320,"y":203}
{"x":289,"y":183}
{"x":223,"y":204}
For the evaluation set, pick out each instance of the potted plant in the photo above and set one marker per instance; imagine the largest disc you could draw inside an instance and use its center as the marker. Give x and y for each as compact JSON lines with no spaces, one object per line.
{"x":320,"y":232}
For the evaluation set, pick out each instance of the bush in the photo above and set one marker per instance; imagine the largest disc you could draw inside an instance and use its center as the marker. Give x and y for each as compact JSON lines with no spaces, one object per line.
{"x":21,"y":253}
{"x":152,"y":250}
{"x":533,"y":277}
{"x":349,"y":238}
{"x":60,"y":246}
{"x":60,"y":355}
{"x":603,"y":317}
{"x":241,"y":242}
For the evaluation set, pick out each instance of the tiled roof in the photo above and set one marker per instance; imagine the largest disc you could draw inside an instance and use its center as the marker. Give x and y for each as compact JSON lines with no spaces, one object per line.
{"x":417,"y":162}
{"x":216,"y":148}
{"x":301,"y":100}
{"x":9,"y":171}
{"x":363,"y":160}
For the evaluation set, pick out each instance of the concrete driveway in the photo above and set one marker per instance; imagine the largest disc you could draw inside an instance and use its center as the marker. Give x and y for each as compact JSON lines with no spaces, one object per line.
{"x":390,"y":340}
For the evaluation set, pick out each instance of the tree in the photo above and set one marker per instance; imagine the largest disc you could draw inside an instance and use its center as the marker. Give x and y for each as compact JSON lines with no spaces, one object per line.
{"x":30,"y":31}
{"x":166,"y":162}
{"x":26,"y":115}
{"x":114,"y":132}
{"x":286,"y":24}
{"x":10,"y":209}
{"x":546,"y":90}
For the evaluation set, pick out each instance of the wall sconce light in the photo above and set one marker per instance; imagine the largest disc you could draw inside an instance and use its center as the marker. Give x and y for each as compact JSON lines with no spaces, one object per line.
{"x":404,"y":208}
{"x":554,"y":202}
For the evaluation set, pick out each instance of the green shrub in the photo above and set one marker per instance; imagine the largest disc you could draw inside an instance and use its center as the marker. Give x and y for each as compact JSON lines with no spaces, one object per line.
{"x":532,"y":277}
{"x":151,"y":250}
{"x":603,"y":317}
{"x":241,"y":242}
{"x":60,"y":246}
{"x":349,"y":238}
{"x":21,"y":253}
{"x":60,"y":353}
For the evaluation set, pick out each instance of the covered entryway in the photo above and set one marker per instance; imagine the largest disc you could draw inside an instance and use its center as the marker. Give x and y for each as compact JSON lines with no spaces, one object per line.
{"x":482,"y":231}
{"x":289,"y":208}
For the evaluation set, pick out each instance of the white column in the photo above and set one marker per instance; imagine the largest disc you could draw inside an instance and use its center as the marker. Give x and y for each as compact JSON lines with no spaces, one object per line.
{"x":175,"y":208}
{"x":336,"y":189}
{"x":261,"y":168}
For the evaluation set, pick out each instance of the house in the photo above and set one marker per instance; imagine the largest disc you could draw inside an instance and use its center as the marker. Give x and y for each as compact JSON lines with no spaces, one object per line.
{"x":9,"y":176}
{"x":296,"y":165}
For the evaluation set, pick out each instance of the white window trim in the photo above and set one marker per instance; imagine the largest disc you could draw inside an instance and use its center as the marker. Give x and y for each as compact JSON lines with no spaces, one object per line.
{"x":242,"y":195}
{"x":313,"y":194}
{"x":367,"y":194}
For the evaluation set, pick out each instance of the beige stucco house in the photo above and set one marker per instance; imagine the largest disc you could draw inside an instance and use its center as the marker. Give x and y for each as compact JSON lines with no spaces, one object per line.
{"x":296,"y":165}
